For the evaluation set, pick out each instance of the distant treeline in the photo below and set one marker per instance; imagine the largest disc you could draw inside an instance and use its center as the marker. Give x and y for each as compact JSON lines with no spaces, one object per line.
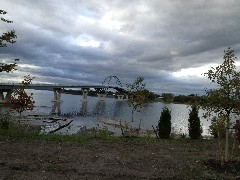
{"x":169,"y":97}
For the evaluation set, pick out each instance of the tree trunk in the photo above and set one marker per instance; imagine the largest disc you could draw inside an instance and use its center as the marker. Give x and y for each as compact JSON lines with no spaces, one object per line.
{"x":227,"y":138}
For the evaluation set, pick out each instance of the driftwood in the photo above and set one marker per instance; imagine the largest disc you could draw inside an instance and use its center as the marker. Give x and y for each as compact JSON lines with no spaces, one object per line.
{"x":61,"y":127}
{"x":116,"y":123}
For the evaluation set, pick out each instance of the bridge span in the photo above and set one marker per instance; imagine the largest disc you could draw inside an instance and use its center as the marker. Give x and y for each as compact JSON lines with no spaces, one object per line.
{"x":58,"y":89}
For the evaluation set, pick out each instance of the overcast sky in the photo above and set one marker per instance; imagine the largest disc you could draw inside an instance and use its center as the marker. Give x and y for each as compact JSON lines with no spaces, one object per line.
{"x":168,"y":42}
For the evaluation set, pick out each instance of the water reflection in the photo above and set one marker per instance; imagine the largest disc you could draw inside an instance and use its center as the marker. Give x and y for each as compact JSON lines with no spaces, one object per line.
{"x":83,"y":109}
{"x":56,"y":108}
{"x":100,"y":108}
{"x":118,"y":108}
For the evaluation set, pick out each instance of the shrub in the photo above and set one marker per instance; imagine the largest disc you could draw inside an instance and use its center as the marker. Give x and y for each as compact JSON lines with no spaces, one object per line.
{"x":164,"y":124}
{"x":217,"y":127}
{"x":4,"y":121}
{"x":194,"y":126}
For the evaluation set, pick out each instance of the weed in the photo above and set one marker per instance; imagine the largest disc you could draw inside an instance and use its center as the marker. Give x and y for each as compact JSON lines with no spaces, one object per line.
{"x":5,"y":121}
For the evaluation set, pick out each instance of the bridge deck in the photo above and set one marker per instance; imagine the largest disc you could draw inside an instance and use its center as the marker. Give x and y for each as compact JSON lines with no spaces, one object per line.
{"x":5,"y":86}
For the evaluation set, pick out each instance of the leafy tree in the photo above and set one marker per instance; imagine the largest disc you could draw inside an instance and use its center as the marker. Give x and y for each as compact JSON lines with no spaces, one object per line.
{"x":223,"y":100}
{"x":194,"y":126}
{"x":151,"y":96}
{"x":7,"y":37}
{"x":20,"y":101}
{"x":164,"y":124}
{"x":168,"y":97}
{"x":137,"y":94}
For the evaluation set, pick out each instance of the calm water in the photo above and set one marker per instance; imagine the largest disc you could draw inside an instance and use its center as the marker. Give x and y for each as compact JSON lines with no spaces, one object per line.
{"x":113,"y":108}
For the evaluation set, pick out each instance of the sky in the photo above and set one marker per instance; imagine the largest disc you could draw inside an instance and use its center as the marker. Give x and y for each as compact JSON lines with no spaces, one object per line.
{"x":170,"y":43}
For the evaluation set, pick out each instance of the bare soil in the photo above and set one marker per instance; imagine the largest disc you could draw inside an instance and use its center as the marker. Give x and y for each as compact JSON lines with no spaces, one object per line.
{"x":124,"y":158}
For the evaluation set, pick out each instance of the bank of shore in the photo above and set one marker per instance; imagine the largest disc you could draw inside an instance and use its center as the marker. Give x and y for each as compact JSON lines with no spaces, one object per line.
{"x":33,"y":157}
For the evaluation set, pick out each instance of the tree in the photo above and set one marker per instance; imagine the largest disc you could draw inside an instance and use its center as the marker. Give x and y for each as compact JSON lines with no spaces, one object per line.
{"x":223,"y":100}
{"x":7,"y":37}
{"x":137,"y":94}
{"x":20,"y":101}
{"x":164,"y":124}
{"x":194,"y":126}
{"x":217,"y":127}
{"x":168,"y":97}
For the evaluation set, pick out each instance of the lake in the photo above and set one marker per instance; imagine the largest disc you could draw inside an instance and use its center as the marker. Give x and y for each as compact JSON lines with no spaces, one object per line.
{"x":87,"y":113}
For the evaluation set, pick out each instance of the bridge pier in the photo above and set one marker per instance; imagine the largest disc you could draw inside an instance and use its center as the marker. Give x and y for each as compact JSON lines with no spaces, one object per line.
{"x":101,"y":97}
{"x":84,"y":93}
{"x":6,"y":89}
{"x":57,"y":95}
{"x":120,"y":97}
{"x":7,"y":96}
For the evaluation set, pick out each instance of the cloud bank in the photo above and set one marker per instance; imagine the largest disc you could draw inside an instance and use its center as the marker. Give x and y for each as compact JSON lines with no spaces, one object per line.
{"x":83,"y":42}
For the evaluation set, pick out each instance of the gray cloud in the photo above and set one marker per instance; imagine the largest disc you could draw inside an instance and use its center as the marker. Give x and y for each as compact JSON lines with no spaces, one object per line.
{"x":79,"y":41}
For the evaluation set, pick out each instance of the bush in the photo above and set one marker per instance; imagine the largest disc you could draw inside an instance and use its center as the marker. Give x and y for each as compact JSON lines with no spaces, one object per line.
{"x":4,"y":121}
{"x":194,"y":126}
{"x":164,"y":124}
{"x":217,"y":127}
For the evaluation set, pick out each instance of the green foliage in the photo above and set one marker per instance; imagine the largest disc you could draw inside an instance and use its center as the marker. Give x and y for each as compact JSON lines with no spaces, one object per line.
{"x":7,"y":37}
{"x":192,"y":98}
{"x":164,"y":124}
{"x":217,"y":127}
{"x":49,"y":137}
{"x":137,"y":94}
{"x":225,"y":99}
{"x":5,"y":121}
{"x":167,"y":97}
{"x":103,"y":132}
{"x":194,"y":126}
{"x":100,"y":132}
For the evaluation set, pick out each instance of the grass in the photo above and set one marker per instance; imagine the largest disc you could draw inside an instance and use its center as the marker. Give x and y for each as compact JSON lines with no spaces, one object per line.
{"x":34,"y":134}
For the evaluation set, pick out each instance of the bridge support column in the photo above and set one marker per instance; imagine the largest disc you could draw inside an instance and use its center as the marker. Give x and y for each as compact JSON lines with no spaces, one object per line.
{"x":101,"y":97}
{"x":8,"y":95}
{"x":120,"y":97}
{"x":57,"y":95}
{"x":84,"y":94}
{"x":54,"y":95}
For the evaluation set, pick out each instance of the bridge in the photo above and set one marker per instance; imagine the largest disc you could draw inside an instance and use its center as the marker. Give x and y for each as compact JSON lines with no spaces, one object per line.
{"x":58,"y":89}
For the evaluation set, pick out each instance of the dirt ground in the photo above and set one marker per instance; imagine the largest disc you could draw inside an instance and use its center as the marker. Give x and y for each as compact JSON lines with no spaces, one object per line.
{"x":22,"y":158}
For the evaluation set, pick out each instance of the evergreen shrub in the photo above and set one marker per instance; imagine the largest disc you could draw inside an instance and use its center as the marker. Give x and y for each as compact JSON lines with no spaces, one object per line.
{"x":164,"y":124}
{"x":194,"y":126}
